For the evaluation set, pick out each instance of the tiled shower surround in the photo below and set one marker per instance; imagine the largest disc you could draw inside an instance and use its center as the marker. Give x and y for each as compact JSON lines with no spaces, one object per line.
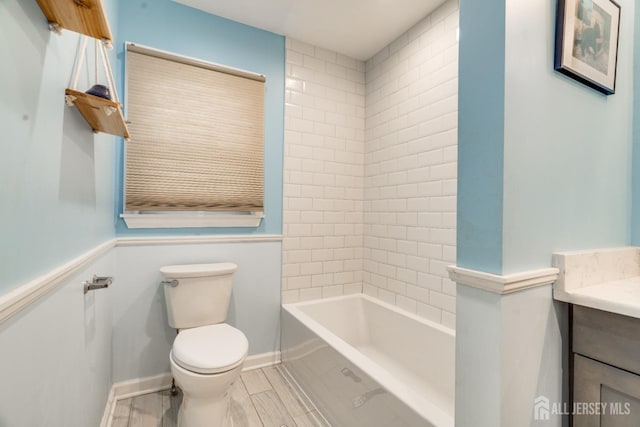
{"x":323,"y":173}
{"x":410,"y":168}
{"x":370,"y":170}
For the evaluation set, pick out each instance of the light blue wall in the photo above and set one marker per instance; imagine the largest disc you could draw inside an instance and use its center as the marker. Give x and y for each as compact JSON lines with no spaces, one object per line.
{"x":567,"y":148}
{"x":544,"y":162}
{"x":57,"y":185}
{"x":635,"y":212}
{"x":56,"y":177}
{"x":166,"y":25}
{"x":480,"y":135}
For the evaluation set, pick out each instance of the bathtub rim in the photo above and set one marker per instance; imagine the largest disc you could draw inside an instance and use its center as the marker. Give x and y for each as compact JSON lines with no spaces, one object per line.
{"x":417,"y":403}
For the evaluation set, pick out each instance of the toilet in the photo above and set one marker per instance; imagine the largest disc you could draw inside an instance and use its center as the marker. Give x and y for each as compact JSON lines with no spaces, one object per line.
{"x":207,"y":354}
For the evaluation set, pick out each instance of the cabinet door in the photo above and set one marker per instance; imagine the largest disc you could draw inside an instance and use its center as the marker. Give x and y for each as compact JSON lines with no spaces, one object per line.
{"x":604,"y":396}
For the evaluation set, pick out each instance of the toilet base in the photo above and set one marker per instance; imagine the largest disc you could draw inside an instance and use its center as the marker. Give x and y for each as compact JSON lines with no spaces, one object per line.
{"x":194,"y":413}
{"x":206,"y":398}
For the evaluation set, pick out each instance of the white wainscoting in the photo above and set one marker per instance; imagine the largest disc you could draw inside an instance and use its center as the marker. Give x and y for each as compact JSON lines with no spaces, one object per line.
{"x":140,"y":325}
{"x":56,"y":346}
{"x":53,"y":335}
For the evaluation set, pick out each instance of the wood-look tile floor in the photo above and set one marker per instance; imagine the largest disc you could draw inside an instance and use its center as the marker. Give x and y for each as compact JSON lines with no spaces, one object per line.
{"x":260,"y":398}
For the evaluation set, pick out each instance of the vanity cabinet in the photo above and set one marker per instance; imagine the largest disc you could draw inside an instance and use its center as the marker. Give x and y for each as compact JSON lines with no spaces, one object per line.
{"x":606,"y":369}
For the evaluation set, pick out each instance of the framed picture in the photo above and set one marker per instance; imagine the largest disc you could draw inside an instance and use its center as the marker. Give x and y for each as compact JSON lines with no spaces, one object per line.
{"x":587,"y":34}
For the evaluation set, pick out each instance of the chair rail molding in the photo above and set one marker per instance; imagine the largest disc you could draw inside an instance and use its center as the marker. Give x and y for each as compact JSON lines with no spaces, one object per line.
{"x":503,"y":284}
{"x":21,"y":297}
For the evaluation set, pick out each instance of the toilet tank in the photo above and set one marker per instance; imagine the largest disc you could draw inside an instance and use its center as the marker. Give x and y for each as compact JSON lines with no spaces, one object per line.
{"x":201,"y":295}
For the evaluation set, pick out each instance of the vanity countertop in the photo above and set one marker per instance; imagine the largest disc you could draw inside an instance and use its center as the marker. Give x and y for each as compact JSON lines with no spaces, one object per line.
{"x":606,"y":279}
{"x":618,"y":296}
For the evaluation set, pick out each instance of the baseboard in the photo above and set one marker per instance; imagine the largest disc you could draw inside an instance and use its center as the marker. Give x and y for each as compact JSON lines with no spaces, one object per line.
{"x":132,"y":388}
{"x":136,"y":387}
{"x":108,"y":409}
{"x":262,"y":360}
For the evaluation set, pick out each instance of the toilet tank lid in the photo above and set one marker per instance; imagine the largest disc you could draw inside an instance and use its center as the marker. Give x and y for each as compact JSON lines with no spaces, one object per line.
{"x":198,"y":270}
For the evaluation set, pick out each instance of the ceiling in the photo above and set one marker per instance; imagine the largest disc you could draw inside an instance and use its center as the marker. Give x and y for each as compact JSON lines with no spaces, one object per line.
{"x":356,"y":28}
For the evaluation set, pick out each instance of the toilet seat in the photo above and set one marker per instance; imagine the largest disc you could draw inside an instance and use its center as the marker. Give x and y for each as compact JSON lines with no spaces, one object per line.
{"x":210,"y":349}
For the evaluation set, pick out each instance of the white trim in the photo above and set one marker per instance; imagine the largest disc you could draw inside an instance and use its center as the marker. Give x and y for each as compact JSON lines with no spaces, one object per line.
{"x":132,"y":388}
{"x":19,"y":298}
{"x":107,"y":416}
{"x":192,"y":220}
{"x":262,"y":360}
{"x":190,"y":240}
{"x":140,"y":386}
{"x":502,"y":284}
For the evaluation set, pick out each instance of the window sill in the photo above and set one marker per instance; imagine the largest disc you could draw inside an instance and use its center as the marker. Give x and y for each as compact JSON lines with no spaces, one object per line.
{"x":193,"y":220}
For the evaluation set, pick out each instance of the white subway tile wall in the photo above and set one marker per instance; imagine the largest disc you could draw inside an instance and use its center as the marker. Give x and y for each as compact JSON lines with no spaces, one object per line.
{"x":370,"y":170}
{"x":323,"y":174}
{"x":411,"y":168}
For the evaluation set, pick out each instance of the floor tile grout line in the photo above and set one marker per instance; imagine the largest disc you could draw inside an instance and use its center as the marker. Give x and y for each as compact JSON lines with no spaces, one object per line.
{"x":130,"y":412}
{"x":277,"y":397}
{"x":280,"y":396}
{"x":275,"y":389}
{"x":253,"y":405}
{"x":284,"y":372}
{"x":265,"y":377}
{"x":163,"y":408}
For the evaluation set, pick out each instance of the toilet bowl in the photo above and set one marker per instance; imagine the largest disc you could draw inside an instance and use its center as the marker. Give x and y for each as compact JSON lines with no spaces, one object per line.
{"x":205,"y":362}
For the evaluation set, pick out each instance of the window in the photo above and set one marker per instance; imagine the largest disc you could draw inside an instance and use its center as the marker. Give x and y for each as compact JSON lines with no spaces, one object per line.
{"x":196,"y":156}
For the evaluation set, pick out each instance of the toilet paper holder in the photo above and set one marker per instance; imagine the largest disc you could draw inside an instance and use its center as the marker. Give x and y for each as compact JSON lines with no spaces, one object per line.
{"x":97,"y":282}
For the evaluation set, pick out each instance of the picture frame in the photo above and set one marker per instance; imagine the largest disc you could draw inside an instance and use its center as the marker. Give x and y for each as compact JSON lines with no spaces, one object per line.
{"x":587,"y":36}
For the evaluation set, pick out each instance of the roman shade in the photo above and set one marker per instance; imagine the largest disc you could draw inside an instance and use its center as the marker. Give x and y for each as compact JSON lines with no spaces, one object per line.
{"x":197,"y":135}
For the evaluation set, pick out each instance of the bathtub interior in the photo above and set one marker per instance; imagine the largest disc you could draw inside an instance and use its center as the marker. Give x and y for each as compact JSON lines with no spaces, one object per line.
{"x":417,"y":352}
{"x":404,"y":349}
{"x":343,"y":393}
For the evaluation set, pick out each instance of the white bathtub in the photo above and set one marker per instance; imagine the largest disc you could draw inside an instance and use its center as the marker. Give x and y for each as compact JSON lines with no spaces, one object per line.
{"x":365,"y":362}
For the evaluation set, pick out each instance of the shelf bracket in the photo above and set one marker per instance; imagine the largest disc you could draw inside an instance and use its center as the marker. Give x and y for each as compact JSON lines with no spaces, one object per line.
{"x":81,"y":16}
{"x":70,"y":100}
{"x":54,"y":27}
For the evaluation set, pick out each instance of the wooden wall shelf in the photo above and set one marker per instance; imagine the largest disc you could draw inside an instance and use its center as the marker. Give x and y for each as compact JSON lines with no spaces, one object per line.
{"x":82,"y":16}
{"x":96,"y":110}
